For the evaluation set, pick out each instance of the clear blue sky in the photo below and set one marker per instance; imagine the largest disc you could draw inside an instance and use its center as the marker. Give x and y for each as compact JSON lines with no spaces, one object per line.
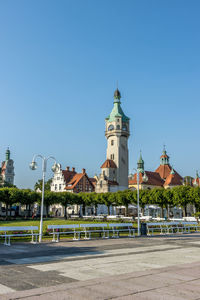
{"x":59,"y":64}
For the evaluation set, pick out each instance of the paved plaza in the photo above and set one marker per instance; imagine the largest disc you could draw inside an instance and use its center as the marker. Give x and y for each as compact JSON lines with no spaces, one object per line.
{"x":141,"y":268}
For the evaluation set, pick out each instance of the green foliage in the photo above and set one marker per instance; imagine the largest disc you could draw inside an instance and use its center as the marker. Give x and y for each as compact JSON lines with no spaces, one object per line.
{"x":178,"y":196}
{"x":47,"y":185}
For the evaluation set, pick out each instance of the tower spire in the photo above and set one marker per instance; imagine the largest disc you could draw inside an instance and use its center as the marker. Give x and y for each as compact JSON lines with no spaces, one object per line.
{"x":140,"y":164}
{"x":7,"y":154}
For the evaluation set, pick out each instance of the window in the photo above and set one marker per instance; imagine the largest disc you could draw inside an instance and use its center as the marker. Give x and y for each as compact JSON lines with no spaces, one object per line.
{"x":118,"y":127}
{"x":60,"y":187}
{"x":112,"y":156}
{"x":124,"y":127}
{"x":58,"y":178}
{"x":55,"y":187}
{"x":110,"y":127}
{"x":112,"y":142}
{"x":104,"y":173}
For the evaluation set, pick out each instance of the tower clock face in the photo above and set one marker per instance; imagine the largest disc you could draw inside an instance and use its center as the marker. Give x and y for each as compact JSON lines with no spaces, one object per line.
{"x":111,"y":127}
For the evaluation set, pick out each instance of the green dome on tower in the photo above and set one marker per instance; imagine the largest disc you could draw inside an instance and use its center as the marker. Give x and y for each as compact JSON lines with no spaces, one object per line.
{"x":117,"y":110}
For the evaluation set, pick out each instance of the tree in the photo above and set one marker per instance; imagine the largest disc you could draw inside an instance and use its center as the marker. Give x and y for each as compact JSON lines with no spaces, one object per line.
{"x":65,"y":199}
{"x":9,"y":197}
{"x":168,"y":199}
{"x":182,"y":197}
{"x":50,"y":198}
{"x":47,"y":185}
{"x":195,"y":197}
{"x":28,"y":198}
{"x":106,"y":199}
{"x":157,"y":197}
{"x":123,"y":199}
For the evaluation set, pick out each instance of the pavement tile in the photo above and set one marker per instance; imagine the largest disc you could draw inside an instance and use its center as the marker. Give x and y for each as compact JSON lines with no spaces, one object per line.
{"x":186,"y":291}
{"x":151,"y":295}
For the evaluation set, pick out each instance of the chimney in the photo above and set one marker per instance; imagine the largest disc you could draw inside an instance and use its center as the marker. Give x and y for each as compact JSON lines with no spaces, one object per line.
{"x":67,"y":168}
{"x":83,"y":171}
{"x":73,"y":169}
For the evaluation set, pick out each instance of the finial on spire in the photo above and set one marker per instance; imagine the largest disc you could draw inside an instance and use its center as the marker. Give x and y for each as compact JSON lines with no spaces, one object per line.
{"x":164,"y":149}
{"x":117,"y":94}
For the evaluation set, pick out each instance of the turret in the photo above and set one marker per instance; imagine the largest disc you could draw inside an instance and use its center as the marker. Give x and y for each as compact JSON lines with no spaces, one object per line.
{"x":140,"y":164}
{"x":164,"y":159}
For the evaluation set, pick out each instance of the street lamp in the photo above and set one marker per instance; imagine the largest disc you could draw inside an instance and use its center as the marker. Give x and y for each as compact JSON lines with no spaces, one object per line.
{"x":33,"y":166}
{"x":145,"y":179}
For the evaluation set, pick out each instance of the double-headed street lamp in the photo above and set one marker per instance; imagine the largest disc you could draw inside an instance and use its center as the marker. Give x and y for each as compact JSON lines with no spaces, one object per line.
{"x":145,"y":178}
{"x":33,"y":166}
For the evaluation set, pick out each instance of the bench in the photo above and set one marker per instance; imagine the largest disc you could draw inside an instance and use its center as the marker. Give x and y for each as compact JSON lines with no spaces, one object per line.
{"x":151,"y":227}
{"x":187,"y":226}
{"x":8,"y":233}
{"x":171,"y":227}
{"x":164,"y":227}
{"x":122,"y":227}
{"x":97,"y":228}
{"x":57,"y":233}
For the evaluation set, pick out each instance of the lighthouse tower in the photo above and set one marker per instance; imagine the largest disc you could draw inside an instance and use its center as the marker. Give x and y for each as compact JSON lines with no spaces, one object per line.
{"x":114,"y":174}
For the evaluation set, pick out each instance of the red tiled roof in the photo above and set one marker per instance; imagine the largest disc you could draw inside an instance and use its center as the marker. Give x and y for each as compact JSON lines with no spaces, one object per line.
{"x":75,"y":180}
{"x":173,"y":179}
{"x":109,"y":163}
{"x":163,"y":170}
{"x":153,"y":179}
{"x":68,"y":175}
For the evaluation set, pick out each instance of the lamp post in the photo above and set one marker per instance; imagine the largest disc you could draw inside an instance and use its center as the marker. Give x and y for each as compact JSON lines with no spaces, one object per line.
{"x":145,"y":178}
{"x":33,"y":166}
{"x":138,"y":201}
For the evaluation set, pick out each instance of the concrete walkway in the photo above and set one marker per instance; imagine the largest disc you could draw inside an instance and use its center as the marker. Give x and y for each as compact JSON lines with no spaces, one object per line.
{"x":140,"y":268}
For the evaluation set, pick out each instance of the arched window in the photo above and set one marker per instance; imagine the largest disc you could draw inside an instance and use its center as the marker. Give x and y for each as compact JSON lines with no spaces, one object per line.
{"x":110,"y":127}
{"x":112,"y":142}
{"x":118,"y":127}
{"x":124,"y":127}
